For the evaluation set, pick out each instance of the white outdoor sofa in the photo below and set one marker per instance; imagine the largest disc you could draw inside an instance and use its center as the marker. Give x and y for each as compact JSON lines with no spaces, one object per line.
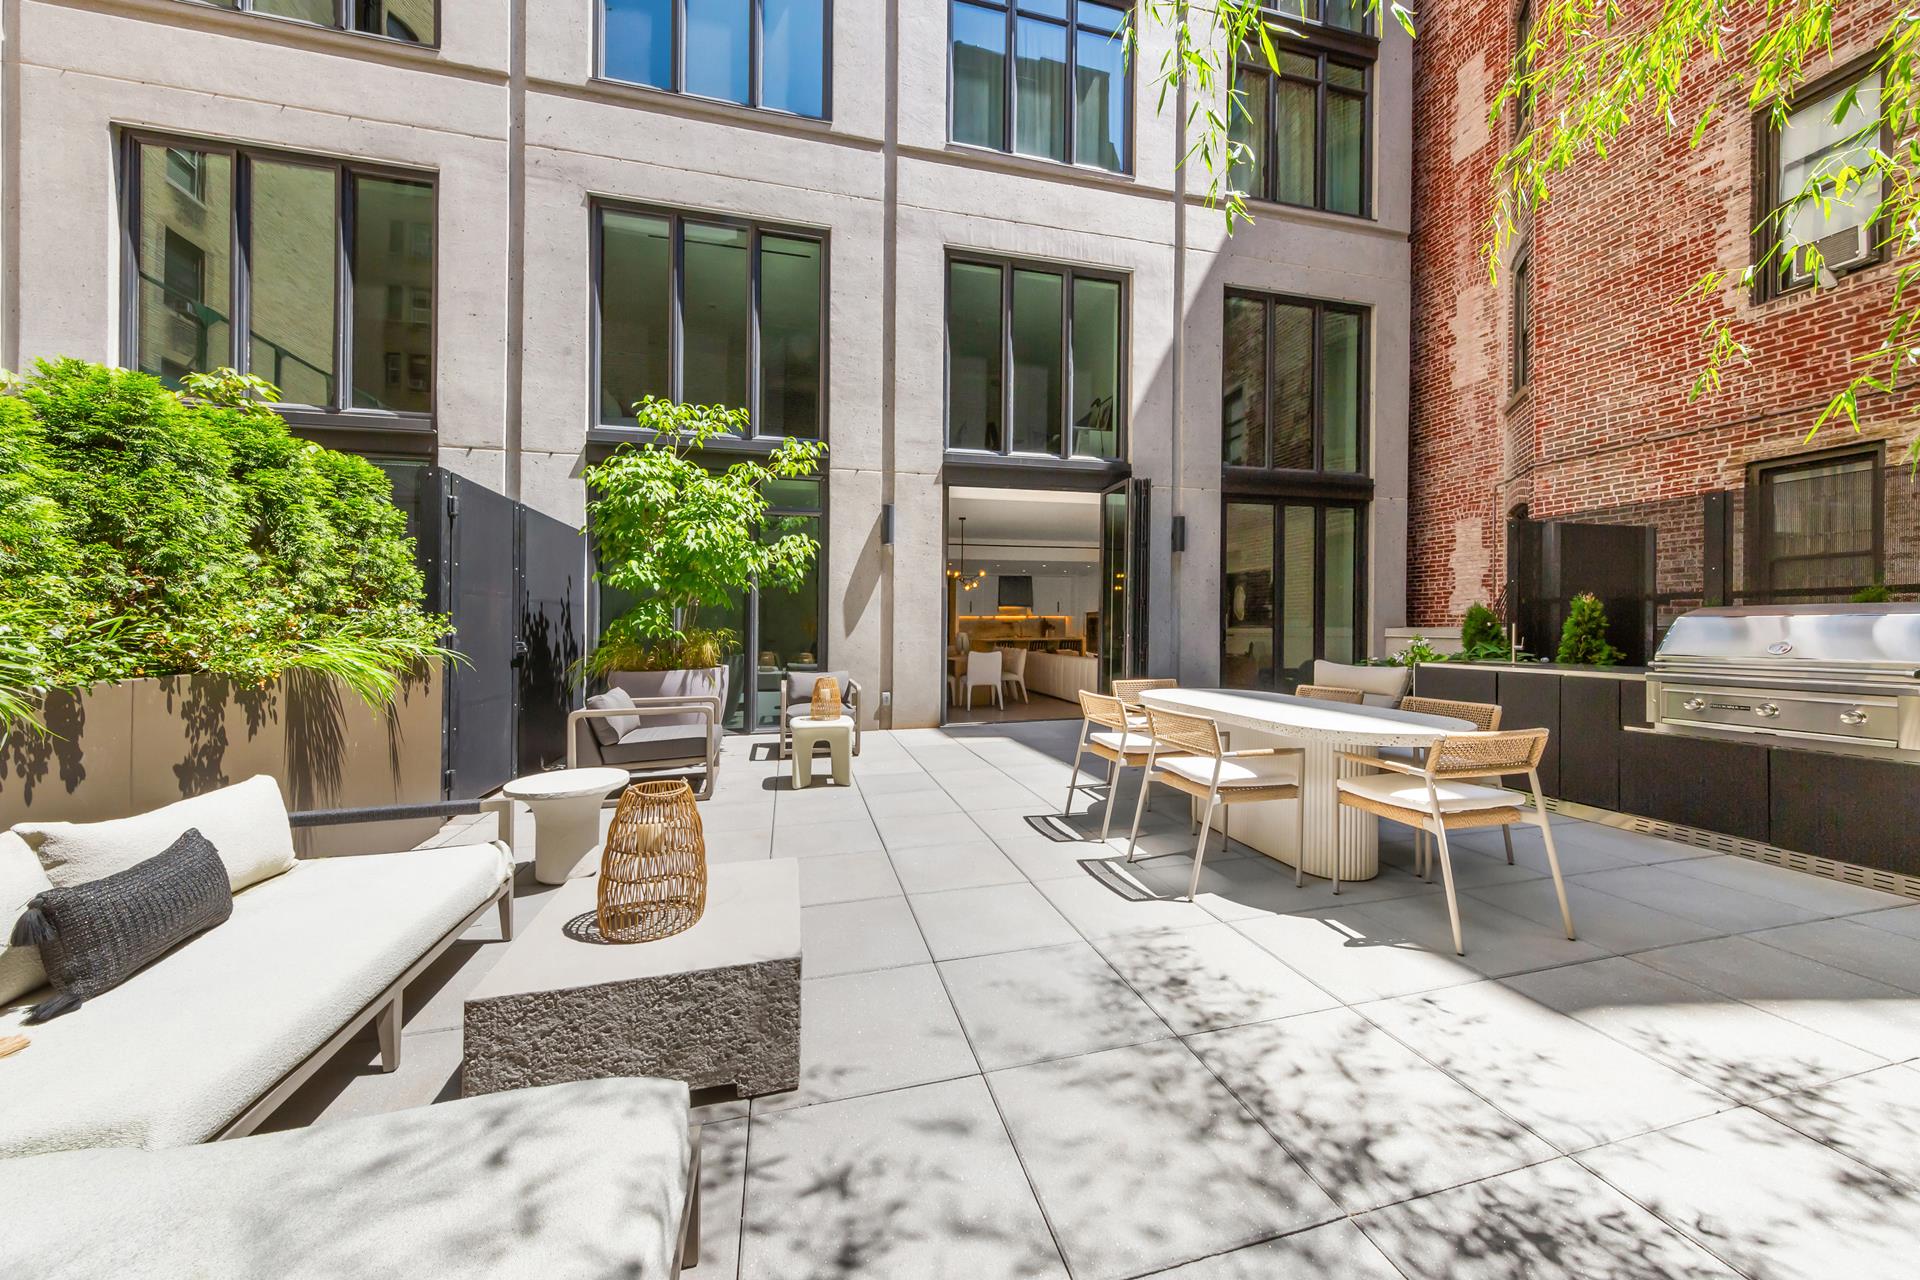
{"x":210,"y":1039}
{"x":568,"y":1182}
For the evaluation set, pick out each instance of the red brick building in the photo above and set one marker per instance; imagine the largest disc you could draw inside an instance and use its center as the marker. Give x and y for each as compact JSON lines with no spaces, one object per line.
{"x":1586,"y":419}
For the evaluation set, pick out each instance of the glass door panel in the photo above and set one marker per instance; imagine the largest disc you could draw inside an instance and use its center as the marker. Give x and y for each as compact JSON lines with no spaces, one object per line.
{"x":1297,"y":562}
{"x":1247,"y":662}
{"x":1113,"y":576}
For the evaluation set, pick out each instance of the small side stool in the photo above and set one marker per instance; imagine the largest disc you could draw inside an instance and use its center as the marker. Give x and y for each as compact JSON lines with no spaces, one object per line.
{"x":837,"y":733}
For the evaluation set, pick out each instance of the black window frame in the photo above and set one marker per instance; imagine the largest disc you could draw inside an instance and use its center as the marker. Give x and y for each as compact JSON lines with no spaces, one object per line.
{"x":345,"y":20}
{"x":1768,"y":198}
{"x":1075,"y":29}
{"x":1068,"y":273}
{"x":1311,"y":13}
{"x":755,"y":61}
{"x":1522,"y":36}
{"x":341,"y":412}
{"x":1759,"y":503}
{"x":756,"y":228}
{"x":1521,"y":330}
{"x":1325,"y":45}
{"x":1316,"y":478}
{"x":1320,"y":504}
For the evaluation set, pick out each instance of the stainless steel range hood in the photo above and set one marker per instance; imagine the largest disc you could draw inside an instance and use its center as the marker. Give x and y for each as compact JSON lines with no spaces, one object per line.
{"x":1831,"y":677}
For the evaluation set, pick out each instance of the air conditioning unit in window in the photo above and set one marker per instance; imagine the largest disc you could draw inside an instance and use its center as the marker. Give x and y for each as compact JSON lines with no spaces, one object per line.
{"x":1848,"y":247}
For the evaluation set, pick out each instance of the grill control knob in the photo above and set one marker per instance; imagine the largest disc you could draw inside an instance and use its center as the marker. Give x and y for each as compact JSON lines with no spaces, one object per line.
{"x":1855,"y":716}
{"x":1767,"y":710}
{"x":1695,"y":704}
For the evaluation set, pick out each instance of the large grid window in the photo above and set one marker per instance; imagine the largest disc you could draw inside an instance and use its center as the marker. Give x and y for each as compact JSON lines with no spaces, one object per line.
{"x":711,"y":312}
{"x":315,"y":275}
{"x":757,"y":53}
{"x":1818,"y":523}
{"x":414,"y":21}
{"x":1295,"y":385}
{"x":1293,"y":589}
{"x":1829,"y":129}
{"x":1034,"y":358}
{"x":1307,"y":131}
{"x":1065,"y":95}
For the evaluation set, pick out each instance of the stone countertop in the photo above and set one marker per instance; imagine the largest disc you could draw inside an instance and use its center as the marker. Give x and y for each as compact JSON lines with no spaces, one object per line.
{"x":1285,"y":715}
{"x":1545,"y":668}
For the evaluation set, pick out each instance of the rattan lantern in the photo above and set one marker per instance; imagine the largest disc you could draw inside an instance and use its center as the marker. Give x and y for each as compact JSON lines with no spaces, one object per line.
{"x":826,"y":699}
{"x":653,"y":872}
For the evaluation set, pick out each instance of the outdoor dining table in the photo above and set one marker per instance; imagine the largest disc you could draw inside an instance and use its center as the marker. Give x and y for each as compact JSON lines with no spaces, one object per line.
{"x":1323,"y":729}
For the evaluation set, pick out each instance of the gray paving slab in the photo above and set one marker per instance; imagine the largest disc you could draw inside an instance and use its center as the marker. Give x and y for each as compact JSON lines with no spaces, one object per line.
{"x":1880,"y":954}
{"x":1209,"y":977}
{"x":1143,"y":1161}
{"x":1360,"y":1111}
{"x":1338,"y":1249}
{"x":967,"y":865}
{"x":846,"y":877}
{"x":1049,"y":1002}
{"x":869,"y":1032}
{"x":1001,"y":917}
{"x":1726,"y":909}
{"x":852,"y":937}
{"x":919,"y":1183}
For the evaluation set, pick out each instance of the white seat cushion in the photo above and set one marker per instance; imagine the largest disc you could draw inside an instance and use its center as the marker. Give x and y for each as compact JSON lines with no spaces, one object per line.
{"x":587,"y":1179}
{"x":1411,"y":793}
{"x":178,"y":1050}
{"x":1114,"y":740}
{"x":21,"y":880}
{"x":246,"y":823}
{"x":1236,"y":771}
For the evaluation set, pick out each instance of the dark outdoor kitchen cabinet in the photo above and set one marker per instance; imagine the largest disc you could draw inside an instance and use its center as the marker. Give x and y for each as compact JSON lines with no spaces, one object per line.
{"x":1531,"y":700}
{"x":1590,"y":734}
{"x":1847,"y":808}
{"x":1716,"y":786}
{"x":1435,"y":680}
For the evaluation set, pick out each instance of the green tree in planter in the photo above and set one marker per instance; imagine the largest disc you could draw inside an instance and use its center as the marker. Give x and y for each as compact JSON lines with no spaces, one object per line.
{"x":1583,"y":640}
{"x":149,"y":533}
{"x":679,"y":535}
{"x":1482,"y":638}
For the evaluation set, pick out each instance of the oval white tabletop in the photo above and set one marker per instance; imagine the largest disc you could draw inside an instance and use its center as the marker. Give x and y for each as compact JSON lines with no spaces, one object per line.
{"x":565,"y":784}
{"x":1288,"y":716}
{"x":1322,"y":730}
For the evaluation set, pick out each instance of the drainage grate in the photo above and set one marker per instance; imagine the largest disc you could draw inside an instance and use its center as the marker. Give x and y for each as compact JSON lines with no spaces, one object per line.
{"x":1851,"y":873}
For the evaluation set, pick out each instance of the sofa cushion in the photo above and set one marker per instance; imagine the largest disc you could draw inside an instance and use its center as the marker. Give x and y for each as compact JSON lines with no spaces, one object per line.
{"x":608,"y":730}
{"x":587,"y":1179}
{"x":247,"y":823}
{"x":176,"y":1052}
{"x":657,"y":742}
{"x":21,"y":877}
{"x":1381,"y":686}
{"x":94,"y":936}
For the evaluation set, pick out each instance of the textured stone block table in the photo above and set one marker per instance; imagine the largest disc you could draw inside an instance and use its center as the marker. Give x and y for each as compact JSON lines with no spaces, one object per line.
{"x":718,"y":1004}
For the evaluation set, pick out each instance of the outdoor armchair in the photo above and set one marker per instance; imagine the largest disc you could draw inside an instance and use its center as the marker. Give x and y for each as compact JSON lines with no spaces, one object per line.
{"x":676,"y":733}
{"x":796,"y":699}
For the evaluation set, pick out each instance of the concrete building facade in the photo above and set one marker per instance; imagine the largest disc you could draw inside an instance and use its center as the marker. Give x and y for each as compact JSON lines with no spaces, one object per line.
{"x":480,"y":348}
{"x":1563,"y":393}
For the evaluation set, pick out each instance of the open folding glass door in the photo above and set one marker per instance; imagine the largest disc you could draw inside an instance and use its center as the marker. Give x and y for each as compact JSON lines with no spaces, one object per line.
{"x":1124,"y":519}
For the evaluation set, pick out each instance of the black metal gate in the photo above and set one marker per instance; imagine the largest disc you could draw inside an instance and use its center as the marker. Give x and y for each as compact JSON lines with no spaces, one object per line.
{"x":1552,"y":561}
{"x":513,"y":580}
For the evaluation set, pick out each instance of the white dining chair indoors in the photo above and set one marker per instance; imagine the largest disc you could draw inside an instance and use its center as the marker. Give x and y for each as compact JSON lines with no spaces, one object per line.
{"x":983,"y":672}
{"x":1187,"y":754}
{"x":1447,"y":792}
{"x":1014,"y":673}
{"x":1107,"y":732}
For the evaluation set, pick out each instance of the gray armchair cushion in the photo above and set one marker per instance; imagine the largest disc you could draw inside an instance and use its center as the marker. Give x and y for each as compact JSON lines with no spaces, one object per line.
{"x":802,"y":685}
{"x":608,"y":730}
{"x":655,"y":742}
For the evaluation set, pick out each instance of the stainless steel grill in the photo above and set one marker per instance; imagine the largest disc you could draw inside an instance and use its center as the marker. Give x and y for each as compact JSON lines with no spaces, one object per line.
{"x":1833,"y":677}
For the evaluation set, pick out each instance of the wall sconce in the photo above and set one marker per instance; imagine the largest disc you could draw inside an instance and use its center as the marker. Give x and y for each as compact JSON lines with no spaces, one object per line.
{"x":886,"y":524}
{"x":1179,"y":534}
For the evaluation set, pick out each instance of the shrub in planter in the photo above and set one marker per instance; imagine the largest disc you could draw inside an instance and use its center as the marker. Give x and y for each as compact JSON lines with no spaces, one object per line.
{"x":679,"y":536}
{"x":1583,"y":640}
{"x":145,"y":532}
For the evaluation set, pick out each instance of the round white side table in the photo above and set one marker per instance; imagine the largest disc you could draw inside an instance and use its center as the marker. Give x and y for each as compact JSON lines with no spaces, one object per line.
{"x":566,"y":818}
{"x":837,"y":733}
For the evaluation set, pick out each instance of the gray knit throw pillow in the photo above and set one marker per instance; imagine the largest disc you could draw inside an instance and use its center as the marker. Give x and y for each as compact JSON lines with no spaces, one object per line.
{"x":94,"y":936}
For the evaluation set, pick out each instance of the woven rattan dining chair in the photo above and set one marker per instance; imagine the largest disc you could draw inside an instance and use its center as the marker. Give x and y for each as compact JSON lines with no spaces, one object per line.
{"x":1484,"y":716}
{"x":1129,"y":691}
{"x":1447,"y":792}
{"x":1188,"y":755}
{"x":1107,"y":731}
{"x":1328,"y":693}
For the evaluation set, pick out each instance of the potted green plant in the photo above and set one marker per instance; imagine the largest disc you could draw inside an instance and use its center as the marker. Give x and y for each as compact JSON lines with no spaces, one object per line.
{"x":679,"y":536}
{"x":1583,"y":640}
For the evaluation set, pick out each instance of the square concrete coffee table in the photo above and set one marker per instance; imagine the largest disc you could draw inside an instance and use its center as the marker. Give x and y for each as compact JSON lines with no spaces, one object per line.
{"x":718,"y":1004}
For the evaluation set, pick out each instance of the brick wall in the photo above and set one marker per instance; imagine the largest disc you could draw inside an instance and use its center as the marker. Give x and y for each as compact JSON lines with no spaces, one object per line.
{"x":1605,"y":431}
